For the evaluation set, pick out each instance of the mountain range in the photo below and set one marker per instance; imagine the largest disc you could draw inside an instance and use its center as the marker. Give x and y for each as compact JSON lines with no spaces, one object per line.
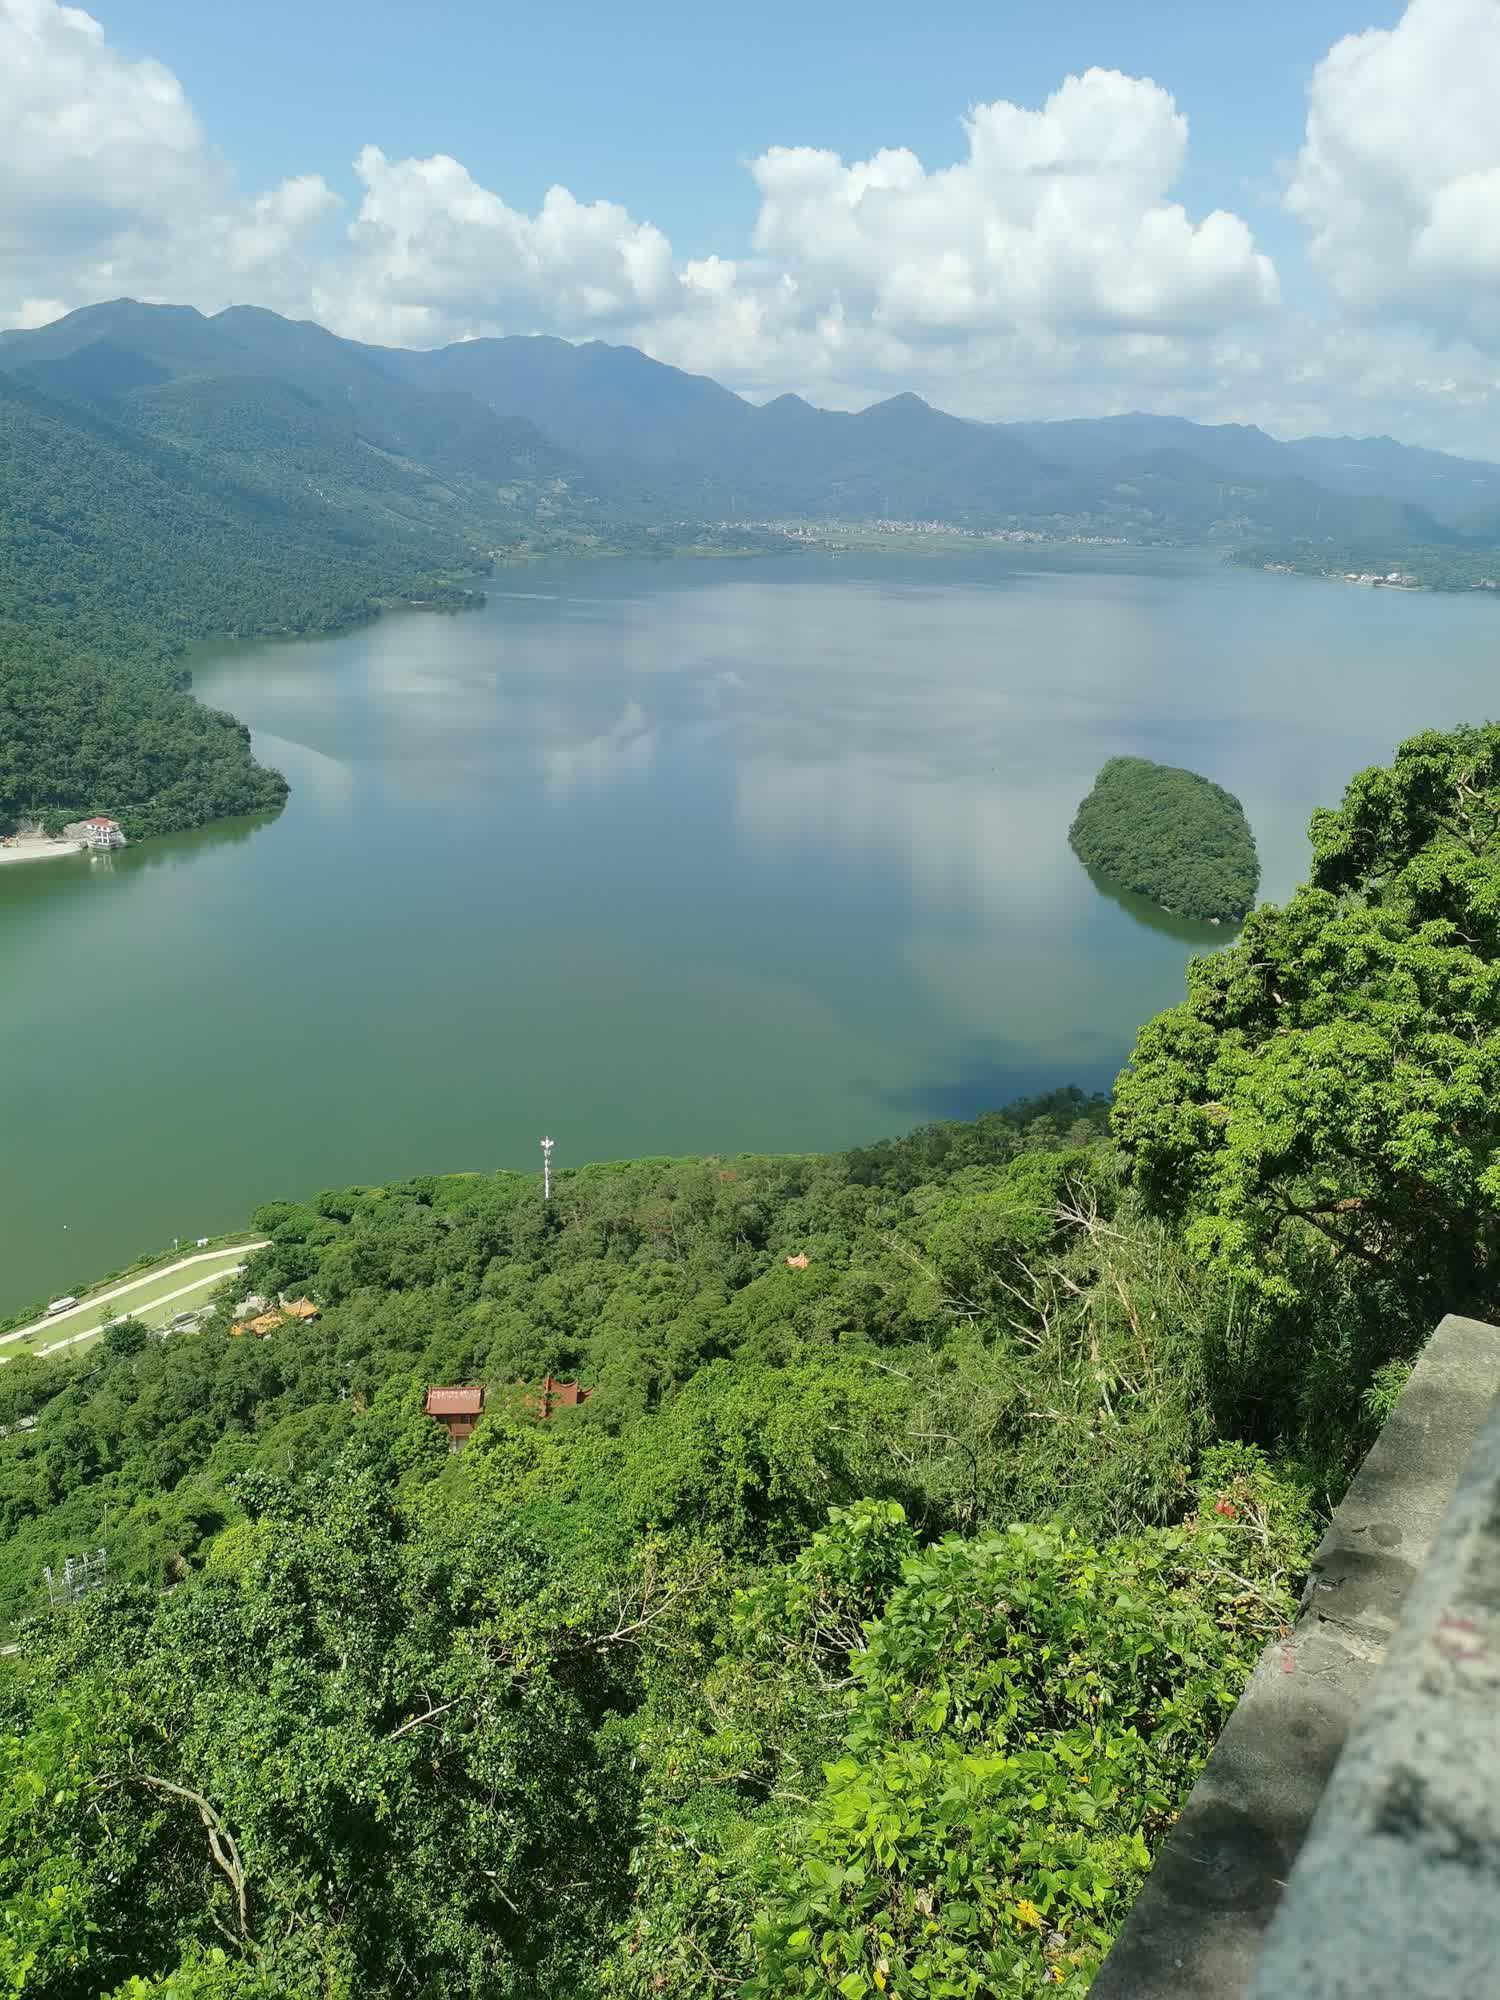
{"x":525,"y":441}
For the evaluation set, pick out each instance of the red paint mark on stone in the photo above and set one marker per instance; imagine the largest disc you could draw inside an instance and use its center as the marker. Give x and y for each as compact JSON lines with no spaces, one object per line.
{"x":1460,"y":1638}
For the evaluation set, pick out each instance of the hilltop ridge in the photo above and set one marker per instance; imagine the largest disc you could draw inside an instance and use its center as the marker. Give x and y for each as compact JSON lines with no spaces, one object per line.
{"x":625,"y":438}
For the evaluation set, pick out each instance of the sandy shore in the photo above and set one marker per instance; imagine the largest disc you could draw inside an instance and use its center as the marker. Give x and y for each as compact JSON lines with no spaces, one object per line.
{"x":37,"y":850}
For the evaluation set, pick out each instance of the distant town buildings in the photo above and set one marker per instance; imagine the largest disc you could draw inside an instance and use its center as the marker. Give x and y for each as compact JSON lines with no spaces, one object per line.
{"x":831,"y":535}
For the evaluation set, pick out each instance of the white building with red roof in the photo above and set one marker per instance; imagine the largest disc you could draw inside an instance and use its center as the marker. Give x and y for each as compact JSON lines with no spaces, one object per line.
{"x":99,"y":832}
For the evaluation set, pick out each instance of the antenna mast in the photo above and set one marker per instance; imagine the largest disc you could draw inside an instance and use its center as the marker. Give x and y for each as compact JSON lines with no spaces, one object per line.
{"x":547,"y":1145}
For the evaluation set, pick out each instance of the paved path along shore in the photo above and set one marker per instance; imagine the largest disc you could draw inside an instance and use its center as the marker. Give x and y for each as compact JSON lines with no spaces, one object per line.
{"x":229,"y":1257}
{"x":182,"y":1292}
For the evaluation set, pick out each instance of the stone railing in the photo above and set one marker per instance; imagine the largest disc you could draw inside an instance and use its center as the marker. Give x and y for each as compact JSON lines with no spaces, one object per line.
{"x":1344,"y":1838}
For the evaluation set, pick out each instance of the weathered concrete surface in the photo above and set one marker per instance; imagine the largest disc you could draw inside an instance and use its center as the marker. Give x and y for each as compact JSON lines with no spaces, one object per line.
{"x":1197,"y":1927}
{"x":1397,"y":1888}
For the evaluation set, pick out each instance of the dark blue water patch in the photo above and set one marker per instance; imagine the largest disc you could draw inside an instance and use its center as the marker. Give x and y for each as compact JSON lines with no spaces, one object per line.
{"x":998,"y":1073}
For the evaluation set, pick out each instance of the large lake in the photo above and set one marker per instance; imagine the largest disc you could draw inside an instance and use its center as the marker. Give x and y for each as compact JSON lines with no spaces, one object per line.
{"x":660,"y":858}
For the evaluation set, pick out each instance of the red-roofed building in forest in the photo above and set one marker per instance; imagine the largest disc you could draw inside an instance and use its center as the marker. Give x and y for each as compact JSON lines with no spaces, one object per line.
{"x":457,"y":1408}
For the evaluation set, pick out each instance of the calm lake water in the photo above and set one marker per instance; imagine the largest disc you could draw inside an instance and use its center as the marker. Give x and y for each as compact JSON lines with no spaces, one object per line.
{"x":701,"y":856}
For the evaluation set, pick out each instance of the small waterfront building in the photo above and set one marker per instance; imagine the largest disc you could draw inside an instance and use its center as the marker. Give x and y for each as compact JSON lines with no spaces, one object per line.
{"x":457,"y":1408}
{"x":99,"y":833}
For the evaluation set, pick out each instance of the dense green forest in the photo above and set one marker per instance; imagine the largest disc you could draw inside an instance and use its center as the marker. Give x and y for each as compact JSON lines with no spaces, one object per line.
{"x":113,"y":554}
{"x":1171,"y":835}
{"x":81,"y":734}
{"x":1473,"y":565}
{"x":864,"y":1630}
{"x":139,"y":513}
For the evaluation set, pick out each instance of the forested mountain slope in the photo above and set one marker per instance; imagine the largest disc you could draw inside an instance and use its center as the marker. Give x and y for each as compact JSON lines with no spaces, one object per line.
{"x":81,"y":733}
{"x":116,"y":538}
{"x":169,"y":491}
{"x":1447,"y":487}
{"x":306,"y":420}
{"x":1143,"y":479}
{"x":588,"y":442}
{"x":116,"y":549}
{"x":572,"y":1711}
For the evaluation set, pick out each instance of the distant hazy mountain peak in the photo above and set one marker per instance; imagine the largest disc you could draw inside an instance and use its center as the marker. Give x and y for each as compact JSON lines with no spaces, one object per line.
{"x":662,"y":443}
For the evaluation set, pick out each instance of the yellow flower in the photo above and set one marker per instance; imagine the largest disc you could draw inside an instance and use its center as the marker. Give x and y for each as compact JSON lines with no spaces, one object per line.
{"x":1028,"y":1913}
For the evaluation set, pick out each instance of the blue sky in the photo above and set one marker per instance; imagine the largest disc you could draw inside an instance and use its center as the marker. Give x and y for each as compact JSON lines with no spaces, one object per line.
{"x":1287,"y":215}
{"x":658,"y":106}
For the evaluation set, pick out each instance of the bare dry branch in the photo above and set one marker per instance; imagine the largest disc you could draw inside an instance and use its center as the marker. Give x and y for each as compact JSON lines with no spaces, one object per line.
{"x":221,"y":1842}
{"x":431,"y":1716}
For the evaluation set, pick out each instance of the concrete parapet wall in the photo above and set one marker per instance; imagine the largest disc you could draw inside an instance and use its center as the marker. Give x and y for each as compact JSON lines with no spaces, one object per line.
{"x":1198,"y":1925}
{"x":1397,"y":1888}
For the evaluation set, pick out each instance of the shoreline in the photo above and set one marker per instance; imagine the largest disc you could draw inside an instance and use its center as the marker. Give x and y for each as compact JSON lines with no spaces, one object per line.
{"x":38,"y":850}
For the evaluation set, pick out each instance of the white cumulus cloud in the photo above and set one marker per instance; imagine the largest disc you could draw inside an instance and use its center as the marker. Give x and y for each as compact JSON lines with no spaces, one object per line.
{"x":1055,"y":231}
{"x":1051,"y":268}
{"x":108,"y":183}
{"x":1398,"y":177}
{"x":1057,"y":217}
{"x":432,"y":250}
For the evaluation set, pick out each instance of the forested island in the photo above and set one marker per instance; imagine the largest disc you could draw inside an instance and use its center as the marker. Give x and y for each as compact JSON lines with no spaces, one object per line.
{"x":865,"y":1628}
{"x":1168,"y":834}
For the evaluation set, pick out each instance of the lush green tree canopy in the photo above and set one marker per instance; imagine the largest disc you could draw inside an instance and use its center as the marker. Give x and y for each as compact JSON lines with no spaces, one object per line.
{"x":80,"y":734}
{"x":1170,"y":835}
{"x":1327,"y":1095}
{"x":597,"y":1704}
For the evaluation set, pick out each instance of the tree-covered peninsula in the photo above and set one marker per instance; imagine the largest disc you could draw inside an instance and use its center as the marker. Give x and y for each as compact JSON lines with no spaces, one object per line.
{"x":1168,"y":834}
